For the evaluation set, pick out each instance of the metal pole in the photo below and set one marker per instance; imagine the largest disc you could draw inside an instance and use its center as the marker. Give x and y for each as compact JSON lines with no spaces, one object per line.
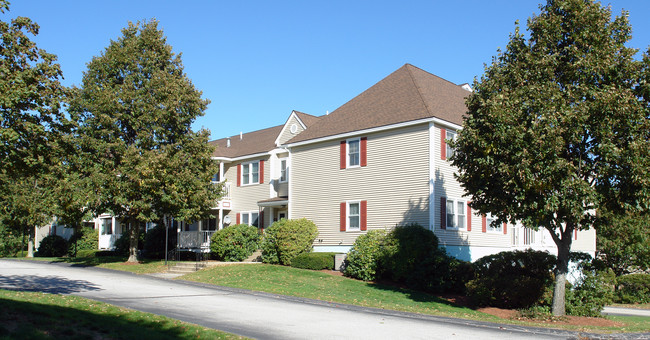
{"x":166,"y":237}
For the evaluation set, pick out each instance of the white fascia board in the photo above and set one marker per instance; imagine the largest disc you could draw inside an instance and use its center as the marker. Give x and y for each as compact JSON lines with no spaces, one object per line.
{"x":435,"y":120}
{"x":293,"y":114}
{"x":234,"y":159}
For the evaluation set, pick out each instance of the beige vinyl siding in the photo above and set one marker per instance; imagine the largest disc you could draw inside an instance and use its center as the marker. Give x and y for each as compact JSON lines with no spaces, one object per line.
{"x":286,"y":133}
{"x":394,"y":183}
{"x":245,"y":198}
{"x":447,"y":186}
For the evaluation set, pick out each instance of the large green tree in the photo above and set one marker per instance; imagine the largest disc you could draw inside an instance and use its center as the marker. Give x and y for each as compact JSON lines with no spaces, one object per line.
{"x":134,"y":110}
{"x":556,"y":128}
{"x":623,"y":243}
{"x":31,"y":98}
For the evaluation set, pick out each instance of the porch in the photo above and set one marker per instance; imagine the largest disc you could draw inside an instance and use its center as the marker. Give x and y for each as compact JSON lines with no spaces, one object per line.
{"x":196,"y":240}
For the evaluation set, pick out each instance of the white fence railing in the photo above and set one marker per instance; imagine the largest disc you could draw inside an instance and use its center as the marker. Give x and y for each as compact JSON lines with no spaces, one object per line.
{"x":195,"y":239}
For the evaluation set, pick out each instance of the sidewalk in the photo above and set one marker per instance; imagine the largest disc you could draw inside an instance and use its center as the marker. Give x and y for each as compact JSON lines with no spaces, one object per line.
{"x":626,"y":311}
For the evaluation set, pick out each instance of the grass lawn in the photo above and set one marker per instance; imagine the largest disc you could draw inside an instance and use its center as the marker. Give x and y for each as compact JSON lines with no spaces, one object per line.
{"x":28,"y":315}
{"x":111,"y":262}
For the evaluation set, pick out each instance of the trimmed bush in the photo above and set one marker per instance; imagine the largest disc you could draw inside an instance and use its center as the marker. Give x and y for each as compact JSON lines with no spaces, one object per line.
{"x":235,"y":243}
{"x":286,"y":239}
{"x":154,"y":242}
{"x":362,"y":262}
{"x":633,"y":288}
{"x":88,"y":253}
{"x":52,"y":246}
{"x":314,"y":261}
{"x":85,"y":238}
{"x":409,"y":255}
{"x":511,"y":279}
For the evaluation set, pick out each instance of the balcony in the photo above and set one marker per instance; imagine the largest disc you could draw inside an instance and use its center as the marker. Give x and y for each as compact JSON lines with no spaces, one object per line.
{"x":195,"y":240}
{"x":225,"y":202}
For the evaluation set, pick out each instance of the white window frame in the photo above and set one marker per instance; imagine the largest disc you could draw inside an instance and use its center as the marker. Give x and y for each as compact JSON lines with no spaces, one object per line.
{"x":247,"y":217}
{"x":450,"y":136}
{"x":456,"y":219}
{"x":348,"y":216}
{"x":347,"y":152}
{"x":488,"y":223}
{"x":284,"y":173}
{"x":248,"y":177}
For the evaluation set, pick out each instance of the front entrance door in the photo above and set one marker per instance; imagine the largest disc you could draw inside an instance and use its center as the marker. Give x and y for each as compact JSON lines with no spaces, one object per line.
{"x":281,"y":214}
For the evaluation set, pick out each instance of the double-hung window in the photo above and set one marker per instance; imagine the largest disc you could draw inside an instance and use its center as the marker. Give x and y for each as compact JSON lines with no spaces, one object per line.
{"x":456,"y":217}
{"x":250,"y":218}
{"x":250,"y":173}
{"x":354,"y":152}
{"x":451,"y":136}
{"x":284,"y":170}
{"x":354,"y":216}
{"x":492,"y":227}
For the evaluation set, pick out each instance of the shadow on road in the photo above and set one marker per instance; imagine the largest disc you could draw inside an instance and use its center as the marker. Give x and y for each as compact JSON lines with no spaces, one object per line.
{"x":48,"y":284}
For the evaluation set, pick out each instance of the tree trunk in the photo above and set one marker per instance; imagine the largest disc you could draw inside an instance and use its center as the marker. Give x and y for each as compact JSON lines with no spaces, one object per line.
{"x":134,"y":230}
{"x":30,"y":243}
{"x":561,"y":271}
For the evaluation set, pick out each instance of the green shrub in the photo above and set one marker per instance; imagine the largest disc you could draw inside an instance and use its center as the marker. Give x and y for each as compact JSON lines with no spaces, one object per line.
{"x":154,"y":242}
{"x":511,"y":279}
{"x":363,"y":259}
{"x":405,"y":247}
{"x":441,"y":273}
{"x":85,"y":238}
{"x":10,"y":242}
{"x":235,"y":243}
{"x":588,"y":296}
{"x":314,"y":261}
{"x":286,"y":239}
{"x":52,"y":246}
{"x":633,"y":288}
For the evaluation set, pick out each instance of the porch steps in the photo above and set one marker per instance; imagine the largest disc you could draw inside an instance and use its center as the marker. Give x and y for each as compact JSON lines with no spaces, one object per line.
{"x":186,"y":267}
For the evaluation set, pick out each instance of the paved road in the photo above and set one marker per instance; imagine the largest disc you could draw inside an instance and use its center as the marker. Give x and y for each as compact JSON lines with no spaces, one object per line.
{"x":256,"y":315}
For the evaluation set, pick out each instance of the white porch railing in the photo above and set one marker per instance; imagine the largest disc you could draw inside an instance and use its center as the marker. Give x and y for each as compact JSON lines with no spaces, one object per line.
{"x":226,"y":191}
{"x":108,"y":241}
{"x":195,"y":239}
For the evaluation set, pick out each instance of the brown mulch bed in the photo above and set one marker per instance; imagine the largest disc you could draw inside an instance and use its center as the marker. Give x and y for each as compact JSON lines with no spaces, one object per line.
{"x":514,"y":314}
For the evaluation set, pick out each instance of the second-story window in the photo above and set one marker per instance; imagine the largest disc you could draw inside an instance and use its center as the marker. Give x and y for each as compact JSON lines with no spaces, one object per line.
{"x":456,"y":214}
{"x":451,"y":136}
{"x":250,"y":173}
{"x":353,"y":152}
{"x":284,"y":170}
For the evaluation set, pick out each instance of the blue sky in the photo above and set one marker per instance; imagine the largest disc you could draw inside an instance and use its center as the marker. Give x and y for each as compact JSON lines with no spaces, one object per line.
{"x":258,"y":60}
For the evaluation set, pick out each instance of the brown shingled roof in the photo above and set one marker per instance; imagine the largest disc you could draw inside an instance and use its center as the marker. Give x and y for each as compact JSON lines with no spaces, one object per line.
{"x":405,"y":95}
{"x":251,"y":143}
{"x":306,"y":118}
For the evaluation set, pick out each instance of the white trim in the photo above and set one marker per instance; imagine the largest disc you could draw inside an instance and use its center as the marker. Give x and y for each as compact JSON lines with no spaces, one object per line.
{"x":286,"y":169}
{"x":250,"y":173}
{"x":378,"y":129}
{"x":250,"y":217}
{"x":489,"y":229}
{"x":347,"y":215}
{"x":289,"y":189}
{"x":456,"y":213}
{"x":293,"y":114}
{"x":432,"y":176}
{"x":347,"y":152}
{"x":229,"y":160}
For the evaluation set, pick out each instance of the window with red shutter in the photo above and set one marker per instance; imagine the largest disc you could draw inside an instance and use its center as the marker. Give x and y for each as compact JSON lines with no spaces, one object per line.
{"x":443,"y":144}
{"x":364,"y":215}
{"x":343,"y":218}
{"x":469,"y":217}
{"x":261,"y":171}
{"x":364,"y":151}
{"x":443,"y":213}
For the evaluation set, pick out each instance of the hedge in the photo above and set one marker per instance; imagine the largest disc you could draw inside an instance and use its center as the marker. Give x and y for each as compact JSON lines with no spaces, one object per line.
{"x":314,"y":261}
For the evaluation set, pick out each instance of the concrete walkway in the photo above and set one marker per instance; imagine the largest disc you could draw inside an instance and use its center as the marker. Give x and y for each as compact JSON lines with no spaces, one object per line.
{"x":255,"y":314}
{"x":626,"y":311}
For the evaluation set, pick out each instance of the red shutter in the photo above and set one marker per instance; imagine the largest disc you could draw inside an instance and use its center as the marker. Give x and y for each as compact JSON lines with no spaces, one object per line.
{"x":505,"y":228}
{"x":443,"y":213}
{"x":364,"y":151}
{"x":343,"y":154}
{"x":469,"y":217}
{"x":343,"y":218}
{"x":443,"y":144}
{"x":364,"y":215}
{"x":576,"y":234}
{"x":238,"y":176}
{"x":261,"y":171}
{"x":484,"y":222}
{"x":238,"y":219}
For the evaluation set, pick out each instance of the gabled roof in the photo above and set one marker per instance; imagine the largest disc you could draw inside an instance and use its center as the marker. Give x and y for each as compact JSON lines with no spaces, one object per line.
{"x":306,"y":118}
{"x":251,"y":143}
{"x":405,"y":95}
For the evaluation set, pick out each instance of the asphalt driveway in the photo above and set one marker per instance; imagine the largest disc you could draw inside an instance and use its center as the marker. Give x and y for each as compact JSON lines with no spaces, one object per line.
{"x":247,"y":313}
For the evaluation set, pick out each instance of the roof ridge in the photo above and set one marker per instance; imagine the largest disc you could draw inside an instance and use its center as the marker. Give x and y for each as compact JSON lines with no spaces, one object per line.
{"x":417,"y":87}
